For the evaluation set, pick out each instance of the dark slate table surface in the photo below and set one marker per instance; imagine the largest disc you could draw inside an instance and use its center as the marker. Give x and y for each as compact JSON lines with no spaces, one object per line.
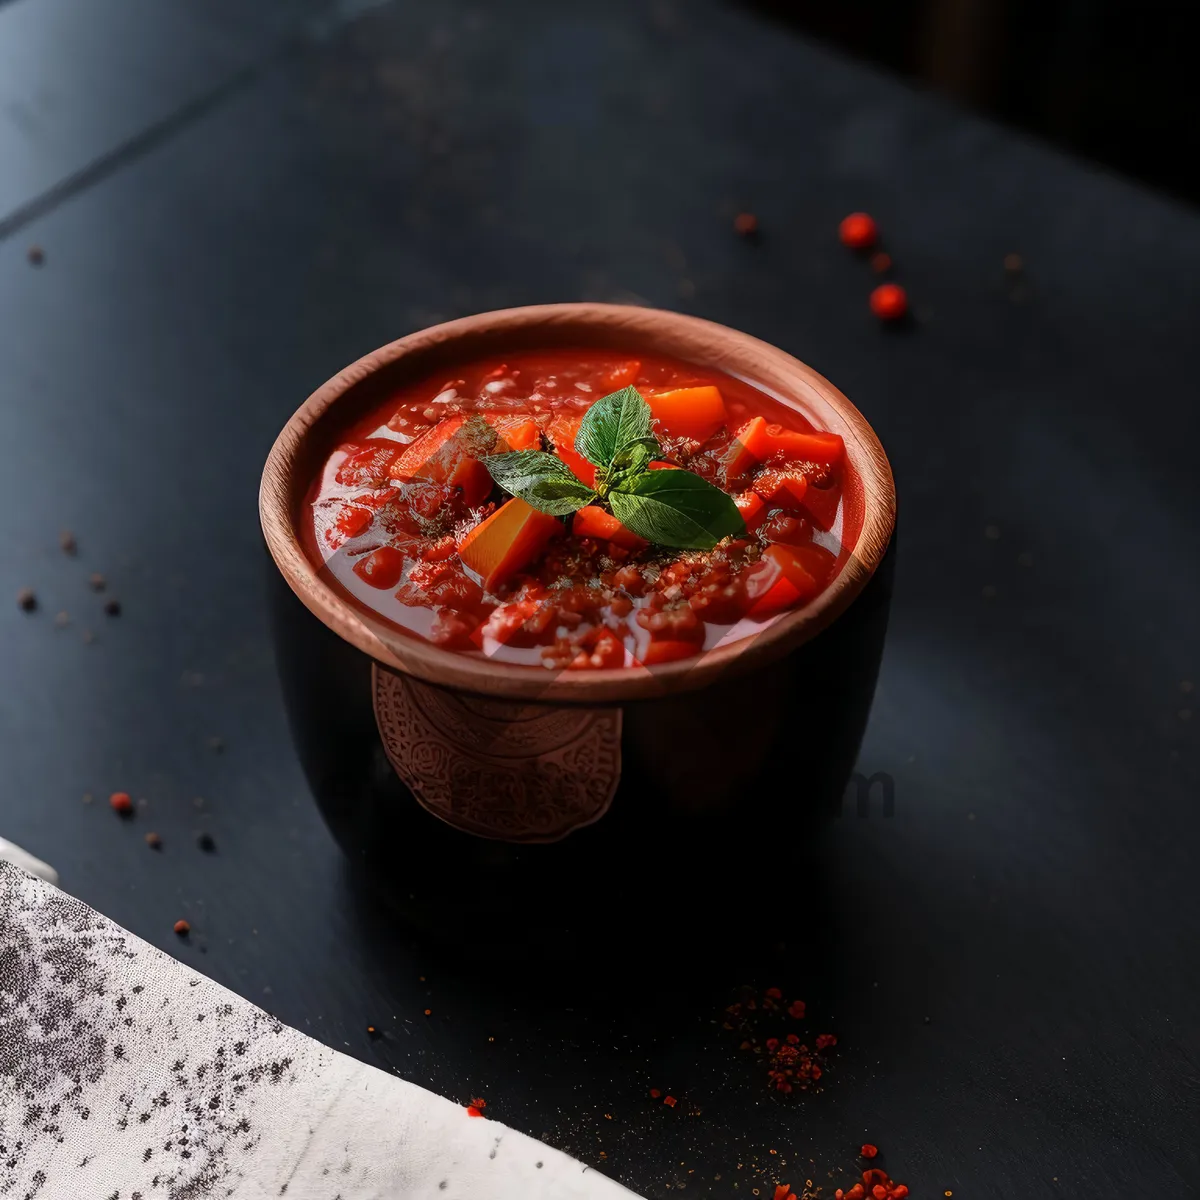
{"x":235,"y":200}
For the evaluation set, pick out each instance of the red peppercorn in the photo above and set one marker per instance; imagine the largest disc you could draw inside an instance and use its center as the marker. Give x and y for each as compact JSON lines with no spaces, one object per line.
{"x":774,"y":994}
{"x":792,"y":1039}
{"x":869,"y":1151}
{"x":900,"y":1191}
{"x":858,"y":231}
{"x":655,"y":1093}
{"x":182,"y":927}
{"x":881,"y":263}
{"x":746,"y":224}
{"x":121,"y":802}
{"x":889,"y":302}
{"x":796,"y":1009}
{"x":879,"y":1192}
{"x":825,"y":1039}
{"x":670,"y":1101}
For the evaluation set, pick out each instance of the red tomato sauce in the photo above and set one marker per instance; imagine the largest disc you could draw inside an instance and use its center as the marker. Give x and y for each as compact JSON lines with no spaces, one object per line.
{"x":396,"y":516}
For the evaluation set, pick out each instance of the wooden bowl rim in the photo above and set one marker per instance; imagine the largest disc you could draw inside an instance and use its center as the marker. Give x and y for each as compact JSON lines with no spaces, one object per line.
{"x":693,"y":339}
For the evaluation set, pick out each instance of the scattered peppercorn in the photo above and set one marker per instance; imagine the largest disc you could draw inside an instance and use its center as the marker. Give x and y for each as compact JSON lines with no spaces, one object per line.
{"x":206,"y":843}
{"x":67,"y":543}
{"x":825,"y":1040}
{"x":122,"y":802}
{"x":655,"y":1093}
{"x":774,"y":994}
{"x":746,"y":224}
{"x":869,"y":1151}
{"x":112,"y":607}
{"x":429,"y":1012}
{"x":670,"y":1101}
{"x":26,"y":600}
{"x":36,"y":255}
{"x":182,"y":927}
{"x":373,"y":1032}
{"x":858,"y":231}
{"x":479,"y":1103}
{"x":97,"y":582}
{"x":153,"y":841}
{"x":889,"y":302}
{"x":881,"y":263}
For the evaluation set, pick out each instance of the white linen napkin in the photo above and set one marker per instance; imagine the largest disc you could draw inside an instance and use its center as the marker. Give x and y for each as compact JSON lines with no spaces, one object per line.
{"x":125,"y":1075}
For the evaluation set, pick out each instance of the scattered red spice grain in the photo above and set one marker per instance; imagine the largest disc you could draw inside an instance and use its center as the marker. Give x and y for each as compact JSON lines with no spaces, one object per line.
{"x":121,"y":802}
{"x":858,"y":231}
{"x":153,"y":841}
{"x":670,"y":1101}
{"x":372,"y":1032}
{"x":746,"y":224}
{"x":27,"y":600}
{"x":881,"y":263}
{"x":472,"y":1111}
{"x":429,"y":1012}
{"x":879,"y":1192}
{"x":889,"y":302}
{"x":478,"y":1102}
{"x":869,"y":1151}
{"x":774,"y":994}
{"x":825,"y":1041}
{"x":36,"y":256}
{"x":783,"y":1192}
{"x":874,"y":1176}
{"x":67,"y":543}
{"x":182,"y":927}
{"x":796,"y":1009}
{"x":655,"y":1093}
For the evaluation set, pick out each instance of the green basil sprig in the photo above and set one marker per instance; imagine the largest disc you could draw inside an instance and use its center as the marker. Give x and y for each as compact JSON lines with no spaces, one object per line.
{"x":670,"y":508}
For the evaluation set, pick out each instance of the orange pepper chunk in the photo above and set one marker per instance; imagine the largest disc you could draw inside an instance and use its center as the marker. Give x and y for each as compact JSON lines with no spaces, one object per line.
{"x":562,"y":432}
{"x":690,"y":412}
{"x":592,"y":521}
{"x":507,"y":542}
{"x":442,"y":455}
{"x":516,"y":433}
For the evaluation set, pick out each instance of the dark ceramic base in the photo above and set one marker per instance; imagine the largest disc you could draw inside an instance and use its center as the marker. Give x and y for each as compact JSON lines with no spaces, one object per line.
{"x":713,"y":784}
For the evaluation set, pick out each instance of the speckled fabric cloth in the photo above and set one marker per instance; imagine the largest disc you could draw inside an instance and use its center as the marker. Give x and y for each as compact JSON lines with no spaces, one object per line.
{"x":126,"y":1076}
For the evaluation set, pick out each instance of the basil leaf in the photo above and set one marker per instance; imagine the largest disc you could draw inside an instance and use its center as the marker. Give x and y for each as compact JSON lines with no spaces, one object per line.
{"x":677,"y":509}
{"x":540,"y":479}
{"x":611,"y":423}
{"x":630,"y":460}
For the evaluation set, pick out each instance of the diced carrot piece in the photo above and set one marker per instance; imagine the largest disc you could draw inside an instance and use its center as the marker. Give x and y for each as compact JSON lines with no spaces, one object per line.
{"x":516,"y":433}
{"x":592,"y":521}
{"x":562,"y":432}
{"x":691,"y":412}
{"x":442,"y":456}
{"x":747,"y":448}
{"x":752,"y":508}
{"x":509,"y":540}
{"x":821,"y":506}
{"x":824,"y":448}
{"x":661,"y":650}
{"x":424,"y":458}
{"x":622,"y":375}
{"x":381,"y":568}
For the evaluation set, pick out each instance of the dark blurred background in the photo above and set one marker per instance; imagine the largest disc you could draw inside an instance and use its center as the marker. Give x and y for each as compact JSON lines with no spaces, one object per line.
{"x":1113,"y":80}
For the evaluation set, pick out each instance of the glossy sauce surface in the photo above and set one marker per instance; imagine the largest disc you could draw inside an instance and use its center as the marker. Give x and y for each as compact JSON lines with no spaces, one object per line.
{"x":398,"y":504}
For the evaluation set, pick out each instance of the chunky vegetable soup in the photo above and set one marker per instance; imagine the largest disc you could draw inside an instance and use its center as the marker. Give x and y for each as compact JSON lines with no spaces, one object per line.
{"x":581,"y":509}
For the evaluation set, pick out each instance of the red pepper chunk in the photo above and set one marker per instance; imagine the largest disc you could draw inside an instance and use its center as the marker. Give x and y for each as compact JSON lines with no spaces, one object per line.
{"x":381,"y":568}
{"x":353,"y":520}
{"x":444,"y":455}
{"x":507,"y":542}
{"x":753,"y":509}
{"x":562,"y":432}
{"x":622,"y":376}
{"x":592,"y":521}
{"x":515,"y":433}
